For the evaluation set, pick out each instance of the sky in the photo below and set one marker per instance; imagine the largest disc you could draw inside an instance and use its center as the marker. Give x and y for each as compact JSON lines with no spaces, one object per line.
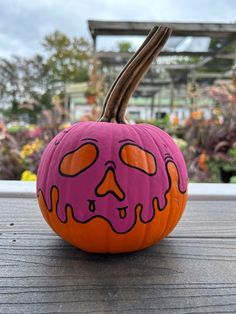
{"x":24,"y":23}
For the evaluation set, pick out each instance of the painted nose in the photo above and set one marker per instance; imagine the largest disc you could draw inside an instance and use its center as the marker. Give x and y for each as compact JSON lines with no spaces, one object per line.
{"x":109,"y":184}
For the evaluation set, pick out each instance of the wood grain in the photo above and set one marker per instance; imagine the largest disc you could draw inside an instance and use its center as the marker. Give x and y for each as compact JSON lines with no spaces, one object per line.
{"x":192,"y":271}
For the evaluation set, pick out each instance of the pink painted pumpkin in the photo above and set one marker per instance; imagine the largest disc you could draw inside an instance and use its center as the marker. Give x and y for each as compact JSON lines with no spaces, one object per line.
{"x":109,"y":186}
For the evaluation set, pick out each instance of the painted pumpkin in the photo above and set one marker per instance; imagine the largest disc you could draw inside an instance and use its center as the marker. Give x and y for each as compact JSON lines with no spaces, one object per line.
{"x":109,"y":186}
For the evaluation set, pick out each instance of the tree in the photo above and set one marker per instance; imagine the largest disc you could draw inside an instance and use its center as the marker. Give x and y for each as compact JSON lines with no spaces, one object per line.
{"x":68,"y":59}
{"x":35,"y":80}
{"x":24,"y":84}
{"x":10,"y":82}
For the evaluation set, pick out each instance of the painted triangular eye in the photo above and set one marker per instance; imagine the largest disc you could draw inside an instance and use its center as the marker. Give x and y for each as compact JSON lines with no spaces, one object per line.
{"x":136,"y":157}
{"x":78,"y":160}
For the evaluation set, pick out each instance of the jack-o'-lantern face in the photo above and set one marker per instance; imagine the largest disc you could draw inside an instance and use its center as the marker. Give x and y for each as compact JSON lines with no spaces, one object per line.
{"x":97,"y":179}
{"x":130,"y":154}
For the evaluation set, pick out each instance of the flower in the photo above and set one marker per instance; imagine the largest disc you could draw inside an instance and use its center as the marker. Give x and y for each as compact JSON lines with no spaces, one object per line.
{"x":28,"y":149}
{"x":65,"y":125}
{"x":28,"y":176}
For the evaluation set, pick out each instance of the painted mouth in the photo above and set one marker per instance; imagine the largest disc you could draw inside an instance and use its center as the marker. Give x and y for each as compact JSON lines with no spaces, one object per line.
{"x":91,"y":205}
{"x":122,"y":210}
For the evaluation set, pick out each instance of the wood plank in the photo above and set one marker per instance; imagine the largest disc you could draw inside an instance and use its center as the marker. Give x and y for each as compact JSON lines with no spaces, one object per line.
{"x":177,"y":276}
{"x":201,"y":219}
{"x":192,"y":271}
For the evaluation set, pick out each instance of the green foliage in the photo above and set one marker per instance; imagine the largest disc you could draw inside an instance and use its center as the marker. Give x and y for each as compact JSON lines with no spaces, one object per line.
{"x":233,"y":179}
{"x":214,"y":169}
{"x":125,"y":46}
{"x":163,"y":123}
{"x":37,"y":79}
{"x":232,"y":153}
{"x":230,"y":165}
{"x":219,"y":162}
{"x":68,"y":58}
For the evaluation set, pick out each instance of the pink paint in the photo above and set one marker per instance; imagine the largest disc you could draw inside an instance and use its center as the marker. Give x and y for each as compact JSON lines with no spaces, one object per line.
{"x":139,"y":188}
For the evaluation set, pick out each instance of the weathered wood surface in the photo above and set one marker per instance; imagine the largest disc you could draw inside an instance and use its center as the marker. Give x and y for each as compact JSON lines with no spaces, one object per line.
{"x":192,"y":271}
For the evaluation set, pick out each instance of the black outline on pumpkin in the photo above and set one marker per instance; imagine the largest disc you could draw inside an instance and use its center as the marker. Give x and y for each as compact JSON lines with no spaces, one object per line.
{"x":112,"y":162}
{"x":71,"y":152}
{"x":92,"y":202}
{"x":67,"y":206}
{"x":89,"y":139}
{"x":168,"y":158}
{"x":146,"y":151}
{"x":110,"y":191}
{"x":168,"y":190}
{"x":122,"y":208}
{"x":127,"y":139}
{"x":50,"y":209}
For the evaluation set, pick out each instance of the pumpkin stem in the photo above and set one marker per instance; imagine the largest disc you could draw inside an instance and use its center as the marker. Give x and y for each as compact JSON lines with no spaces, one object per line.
{"x":116,"y":101}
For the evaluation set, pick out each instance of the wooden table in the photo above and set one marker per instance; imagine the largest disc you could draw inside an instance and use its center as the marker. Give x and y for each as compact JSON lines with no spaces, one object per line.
{"x":192,"y":271}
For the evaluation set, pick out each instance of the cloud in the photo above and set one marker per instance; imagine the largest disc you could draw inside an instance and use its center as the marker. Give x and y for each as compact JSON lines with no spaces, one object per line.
{"x":24,"y":23}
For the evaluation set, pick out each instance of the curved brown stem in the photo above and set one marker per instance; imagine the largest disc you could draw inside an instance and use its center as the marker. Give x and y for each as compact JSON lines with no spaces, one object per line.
{"x":119,"y":94}
{"x":141,"y":69}
{"x":121,"y":73}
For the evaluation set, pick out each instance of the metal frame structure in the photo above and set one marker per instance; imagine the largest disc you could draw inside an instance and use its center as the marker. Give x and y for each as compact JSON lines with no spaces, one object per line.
{"x":179,"y":73}
{"x":227,"y":32}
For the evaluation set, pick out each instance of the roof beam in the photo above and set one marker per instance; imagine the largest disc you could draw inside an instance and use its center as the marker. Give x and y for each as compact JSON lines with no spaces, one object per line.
{"x":110,"y":28}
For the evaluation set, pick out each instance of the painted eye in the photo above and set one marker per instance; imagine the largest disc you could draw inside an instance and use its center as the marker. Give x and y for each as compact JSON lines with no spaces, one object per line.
{"x":134,"y":156}
{"x":78,"y":160}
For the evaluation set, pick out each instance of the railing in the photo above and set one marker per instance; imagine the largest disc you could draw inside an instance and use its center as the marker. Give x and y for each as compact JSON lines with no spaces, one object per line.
{"x":196,"y":191}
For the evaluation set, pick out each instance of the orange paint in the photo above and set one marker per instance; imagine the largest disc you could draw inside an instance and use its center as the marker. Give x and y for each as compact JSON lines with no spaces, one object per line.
{"x":97,"y":235}
{"x":109,"y":184}
{"x":78,"y":160}
{"x":136,"y":157}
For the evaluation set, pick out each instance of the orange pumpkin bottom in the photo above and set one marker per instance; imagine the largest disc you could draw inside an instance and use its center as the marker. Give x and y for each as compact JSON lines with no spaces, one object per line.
{"x":97,"y":236}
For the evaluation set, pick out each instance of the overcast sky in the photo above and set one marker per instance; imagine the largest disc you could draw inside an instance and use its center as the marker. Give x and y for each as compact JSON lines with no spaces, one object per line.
{"x":23,"y":23}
